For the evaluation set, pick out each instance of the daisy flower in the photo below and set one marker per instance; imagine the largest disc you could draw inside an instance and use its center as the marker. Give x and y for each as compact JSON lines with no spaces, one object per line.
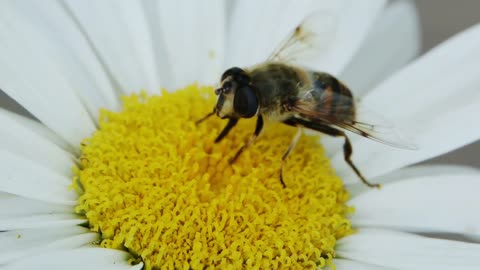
{"x":116,"y":175}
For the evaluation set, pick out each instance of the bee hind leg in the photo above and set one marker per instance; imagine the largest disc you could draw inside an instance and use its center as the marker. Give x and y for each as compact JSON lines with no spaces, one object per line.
{"x":258,"y":129}
{"x":347,"y":152}
{"x":347,"y":146}
{"x":289,"y":149}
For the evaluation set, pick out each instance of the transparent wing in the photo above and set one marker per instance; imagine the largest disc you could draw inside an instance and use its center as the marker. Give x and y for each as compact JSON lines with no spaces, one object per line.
{"x":376,"y":128}
{"x":311,"y":38}
{"x":335,"y":109}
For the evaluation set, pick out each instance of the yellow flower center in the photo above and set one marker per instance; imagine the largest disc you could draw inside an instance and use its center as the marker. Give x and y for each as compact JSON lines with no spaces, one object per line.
{"x":155,"y":184}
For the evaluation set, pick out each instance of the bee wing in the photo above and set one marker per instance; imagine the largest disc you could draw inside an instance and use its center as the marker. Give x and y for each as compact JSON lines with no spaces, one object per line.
{"x":365,"y":123}
{"x":310,"y":39}
{"x":383,"y":131}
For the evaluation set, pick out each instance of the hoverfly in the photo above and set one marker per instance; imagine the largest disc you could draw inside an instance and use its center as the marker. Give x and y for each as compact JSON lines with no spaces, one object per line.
{"x":279,"y":90}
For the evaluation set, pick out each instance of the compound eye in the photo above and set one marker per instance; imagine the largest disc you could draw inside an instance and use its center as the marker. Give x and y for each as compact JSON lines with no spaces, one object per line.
{"x":245,"y":102}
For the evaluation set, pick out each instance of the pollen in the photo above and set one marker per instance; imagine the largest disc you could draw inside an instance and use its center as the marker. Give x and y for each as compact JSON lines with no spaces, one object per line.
{"x":153,"y":183}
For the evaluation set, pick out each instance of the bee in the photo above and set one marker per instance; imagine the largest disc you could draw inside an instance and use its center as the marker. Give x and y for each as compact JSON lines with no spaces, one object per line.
{"x":280,"y":91}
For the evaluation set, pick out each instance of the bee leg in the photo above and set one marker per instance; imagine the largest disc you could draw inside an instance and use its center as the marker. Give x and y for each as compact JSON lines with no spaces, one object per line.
{"x":258,"y":129}
{"x":347,"y":146}
{"x":231,"y":123}
{"x":289,"y":149}
{"x":347,"y":152}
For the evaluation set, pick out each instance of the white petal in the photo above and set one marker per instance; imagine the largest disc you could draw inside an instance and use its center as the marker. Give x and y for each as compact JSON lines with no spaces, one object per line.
{"x":342,"y":264}
{"x":356,"y":19}
{"x":192,"y":34}
{"x":417,"y":171}
{"x":19,"y":213}
{"x":407,"y":251}
{"x":136,"y":267}
{"x":15,"y":206}
{"x":393,"y":41}
{"x":39,"y":129}
{"x":23,"y":177}
{"x":21,"y":140}
{"x":74,"y":58}
{"x":255,"y":28}
{"x":433,"y":204}
{"x":21,"y":243}
{"x":40,"y":221}
{"x":38,"y":75}
{"x":252,"y":41}
{"x":435,"y":98}
{"x":82,"y":258}
{"x":120,"y":33}
{"x":65,"y":46}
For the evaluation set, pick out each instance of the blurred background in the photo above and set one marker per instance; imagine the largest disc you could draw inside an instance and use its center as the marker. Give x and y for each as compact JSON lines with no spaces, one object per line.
{"x":439,"y":19}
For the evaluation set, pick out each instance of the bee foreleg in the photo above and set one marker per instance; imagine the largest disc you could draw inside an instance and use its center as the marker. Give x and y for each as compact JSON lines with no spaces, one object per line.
{"x":258,"y":129}
{"x":289,"y":149}
{"x":231,"y":123}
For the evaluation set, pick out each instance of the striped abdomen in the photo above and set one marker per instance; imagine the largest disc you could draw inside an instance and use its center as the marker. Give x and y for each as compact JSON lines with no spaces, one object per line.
{"x":332,"y":96}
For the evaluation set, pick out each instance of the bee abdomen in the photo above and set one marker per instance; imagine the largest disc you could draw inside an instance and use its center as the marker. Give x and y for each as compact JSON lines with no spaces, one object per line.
{"x":332,"y":96}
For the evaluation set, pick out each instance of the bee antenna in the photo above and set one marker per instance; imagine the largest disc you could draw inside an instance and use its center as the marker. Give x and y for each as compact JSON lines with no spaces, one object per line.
{"x":204,"y":118}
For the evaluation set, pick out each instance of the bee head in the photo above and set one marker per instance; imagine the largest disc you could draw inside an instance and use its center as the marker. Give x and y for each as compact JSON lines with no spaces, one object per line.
{"x":236,"y":96}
